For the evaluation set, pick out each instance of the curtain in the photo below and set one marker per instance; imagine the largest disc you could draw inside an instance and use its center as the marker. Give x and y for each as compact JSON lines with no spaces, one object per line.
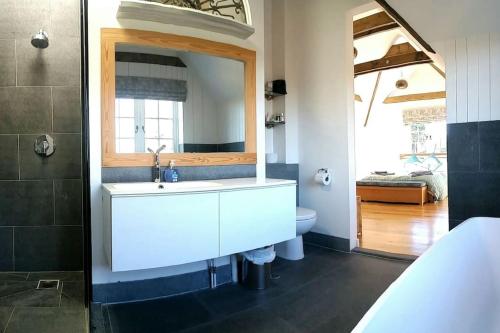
{"x":151,"y":88}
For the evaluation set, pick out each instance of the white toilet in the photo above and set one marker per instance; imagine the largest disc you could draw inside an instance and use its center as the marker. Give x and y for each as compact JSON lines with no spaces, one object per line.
{"x":294,"y":248}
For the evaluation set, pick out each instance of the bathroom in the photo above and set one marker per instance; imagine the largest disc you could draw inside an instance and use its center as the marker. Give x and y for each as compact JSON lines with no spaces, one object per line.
{"x":155,"y":153}
{"x":68,"y":267}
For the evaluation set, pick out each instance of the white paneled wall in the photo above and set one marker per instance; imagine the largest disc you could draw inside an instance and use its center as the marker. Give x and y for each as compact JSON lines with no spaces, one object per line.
{"x":473,"y":78}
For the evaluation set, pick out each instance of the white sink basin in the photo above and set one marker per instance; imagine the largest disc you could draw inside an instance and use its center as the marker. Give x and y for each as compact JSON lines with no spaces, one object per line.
{"x":159,"y":187}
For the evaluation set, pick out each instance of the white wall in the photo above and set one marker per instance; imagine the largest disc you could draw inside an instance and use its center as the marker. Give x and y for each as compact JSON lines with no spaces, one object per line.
{"x":102,"y":14}
{"x":319,"y":71}
{"x":283,"y":140}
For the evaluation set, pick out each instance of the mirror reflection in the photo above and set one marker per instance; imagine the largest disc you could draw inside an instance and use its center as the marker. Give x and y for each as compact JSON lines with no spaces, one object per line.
{"x":189,"y":102}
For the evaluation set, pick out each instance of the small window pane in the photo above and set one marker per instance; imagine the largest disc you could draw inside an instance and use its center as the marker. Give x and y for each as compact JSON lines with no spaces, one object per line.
{"x":151,"y":129}
{"x":125,"y":146}
{"x":166,"y":128}
{"x":169,"y":144}
{"x":151,"y":107}
{"x":126,"y":107}
{"x":127,"y":128}
{"x":166,"y":109}
{"x":152,"y":143}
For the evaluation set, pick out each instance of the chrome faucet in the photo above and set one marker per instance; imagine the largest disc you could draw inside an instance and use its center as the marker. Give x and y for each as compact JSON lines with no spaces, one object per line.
{"x":157,"y":161}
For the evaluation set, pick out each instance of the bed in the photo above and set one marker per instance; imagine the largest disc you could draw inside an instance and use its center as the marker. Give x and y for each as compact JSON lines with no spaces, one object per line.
{"x":453,"y":287}
{"x":403,"y":189}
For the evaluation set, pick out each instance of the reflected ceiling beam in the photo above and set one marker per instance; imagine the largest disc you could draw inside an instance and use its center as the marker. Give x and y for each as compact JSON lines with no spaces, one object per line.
{"x":439,"y":70}
{"x":373,"y":24}
{"x":400,"y":55}
{"x":415,"y":97}
{"x":402,"y":22}
{"x":373,"y":98}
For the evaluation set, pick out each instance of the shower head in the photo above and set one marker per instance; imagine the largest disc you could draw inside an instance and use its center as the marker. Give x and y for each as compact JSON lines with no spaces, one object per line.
{"x":40,"y":40}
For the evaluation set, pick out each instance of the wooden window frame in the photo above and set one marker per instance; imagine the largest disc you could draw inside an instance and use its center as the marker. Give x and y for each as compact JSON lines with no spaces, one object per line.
{"x":110,"y":37}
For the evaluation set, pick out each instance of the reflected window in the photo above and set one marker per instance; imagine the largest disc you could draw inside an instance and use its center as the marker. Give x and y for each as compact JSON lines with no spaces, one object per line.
{"x":146,"y":123}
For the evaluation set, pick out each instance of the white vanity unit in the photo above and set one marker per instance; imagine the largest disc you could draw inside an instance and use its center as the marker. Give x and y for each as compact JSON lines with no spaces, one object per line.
{"x":150,"y":225}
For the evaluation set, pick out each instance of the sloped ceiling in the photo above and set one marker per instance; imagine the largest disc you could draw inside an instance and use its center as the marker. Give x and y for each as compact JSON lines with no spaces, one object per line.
{"x":440,"y":20}
{"x":421,"y":78}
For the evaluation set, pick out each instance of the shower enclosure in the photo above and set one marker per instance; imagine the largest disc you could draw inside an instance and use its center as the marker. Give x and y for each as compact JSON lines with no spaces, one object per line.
{"x":41,"y":182}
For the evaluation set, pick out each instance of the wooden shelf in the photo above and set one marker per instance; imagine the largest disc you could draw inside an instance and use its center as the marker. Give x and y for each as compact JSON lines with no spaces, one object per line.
{"x":167,"y":14}
{"x":271,"y":95}
{"x":271,"y":124}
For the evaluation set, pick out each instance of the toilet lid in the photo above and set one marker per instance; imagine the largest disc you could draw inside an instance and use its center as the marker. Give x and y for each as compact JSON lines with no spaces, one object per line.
{"x":305,"y":214}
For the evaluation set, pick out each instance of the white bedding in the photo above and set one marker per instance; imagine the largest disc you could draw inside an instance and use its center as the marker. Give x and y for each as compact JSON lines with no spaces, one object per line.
{"x":453,"y":287}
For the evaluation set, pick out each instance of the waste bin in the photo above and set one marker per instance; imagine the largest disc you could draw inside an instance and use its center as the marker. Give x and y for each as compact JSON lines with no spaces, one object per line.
{"x":255,"y":270}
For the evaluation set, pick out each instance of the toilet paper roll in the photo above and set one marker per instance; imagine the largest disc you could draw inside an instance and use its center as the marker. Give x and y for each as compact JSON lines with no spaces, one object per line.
{"x":323,"y":178}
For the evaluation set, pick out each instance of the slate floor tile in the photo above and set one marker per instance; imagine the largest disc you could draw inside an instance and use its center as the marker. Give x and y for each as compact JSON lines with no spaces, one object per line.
{"x":327,"y":291}
{"x":72,"y":294}
{"x":162,"y":316}
{"x":47,"y":320}
{"x":5,"y":313}
{"x":25,"y":294}
{"x":13,"y":276}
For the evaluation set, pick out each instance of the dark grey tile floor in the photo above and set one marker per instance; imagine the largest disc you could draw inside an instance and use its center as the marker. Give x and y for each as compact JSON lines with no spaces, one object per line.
{"x":25,"y":309}
{"x":327,"y":291}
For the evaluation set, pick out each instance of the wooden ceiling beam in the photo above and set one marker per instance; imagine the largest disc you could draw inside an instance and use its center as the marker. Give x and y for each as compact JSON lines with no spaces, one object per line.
{"x":415,"y":97}
{"x":405,"y":25}
{"x":400,"y":55}
{"x":373,"y":24}
{"x":373,"y":98}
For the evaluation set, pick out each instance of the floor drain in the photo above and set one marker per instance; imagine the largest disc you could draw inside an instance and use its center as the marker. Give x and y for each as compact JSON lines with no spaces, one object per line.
{"x":48,"y":284}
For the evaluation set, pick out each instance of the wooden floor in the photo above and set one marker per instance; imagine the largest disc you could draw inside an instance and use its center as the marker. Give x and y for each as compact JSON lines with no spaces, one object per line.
{"x":403,"y":228}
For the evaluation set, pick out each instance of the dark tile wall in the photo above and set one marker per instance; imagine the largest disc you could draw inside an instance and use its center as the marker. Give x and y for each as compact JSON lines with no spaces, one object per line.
{"x":145,"y":174}
{"x":473,"y":170}
{"x":40,"y":198}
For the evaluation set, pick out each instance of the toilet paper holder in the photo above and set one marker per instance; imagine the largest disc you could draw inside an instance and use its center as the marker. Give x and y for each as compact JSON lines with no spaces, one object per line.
{"x":323,"y":176}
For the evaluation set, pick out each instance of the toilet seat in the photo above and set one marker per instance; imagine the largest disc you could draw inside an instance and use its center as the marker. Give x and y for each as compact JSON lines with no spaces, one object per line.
{"x":303,"y":214}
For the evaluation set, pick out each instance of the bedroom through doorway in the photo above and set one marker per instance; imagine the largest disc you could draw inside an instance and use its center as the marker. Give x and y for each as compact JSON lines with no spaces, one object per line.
{"x":400,"y":138}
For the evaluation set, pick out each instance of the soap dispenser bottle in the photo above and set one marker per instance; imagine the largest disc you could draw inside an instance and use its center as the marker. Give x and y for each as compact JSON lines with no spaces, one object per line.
{"x":171,"y":175}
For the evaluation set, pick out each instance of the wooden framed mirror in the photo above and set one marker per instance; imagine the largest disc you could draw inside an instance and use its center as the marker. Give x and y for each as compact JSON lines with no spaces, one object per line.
{"x":193,"y":96}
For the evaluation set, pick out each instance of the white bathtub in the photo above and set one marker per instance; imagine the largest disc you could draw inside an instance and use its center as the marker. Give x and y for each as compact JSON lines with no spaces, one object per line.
{"x":453,"y":287}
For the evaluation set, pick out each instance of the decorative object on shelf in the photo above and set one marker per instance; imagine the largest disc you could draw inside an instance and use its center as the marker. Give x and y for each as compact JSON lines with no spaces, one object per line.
{"x":275,"y":88}
{"x":233,"y":9}
{"x":278,"y":119}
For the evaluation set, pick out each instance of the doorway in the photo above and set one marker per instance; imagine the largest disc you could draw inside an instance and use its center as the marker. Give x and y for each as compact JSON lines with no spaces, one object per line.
{"x":400,"y":139}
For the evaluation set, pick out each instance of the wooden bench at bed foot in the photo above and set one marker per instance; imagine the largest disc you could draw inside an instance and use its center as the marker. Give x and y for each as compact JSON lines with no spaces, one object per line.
{"x":394,"y":194}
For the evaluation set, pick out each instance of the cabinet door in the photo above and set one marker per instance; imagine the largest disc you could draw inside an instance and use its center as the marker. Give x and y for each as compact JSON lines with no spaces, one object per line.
{"x":251,"y":219}
{"x":158,"y":231}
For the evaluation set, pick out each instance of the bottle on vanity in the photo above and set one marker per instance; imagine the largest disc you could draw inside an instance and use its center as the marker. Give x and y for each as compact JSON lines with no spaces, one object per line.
{"x":171,"y":174}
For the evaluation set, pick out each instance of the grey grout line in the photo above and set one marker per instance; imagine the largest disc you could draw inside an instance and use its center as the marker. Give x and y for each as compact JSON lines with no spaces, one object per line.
{"x":52,"y":108}
{"x":60,"y":294}
{"x":109,"y":320}
{"x":8,"y":320}
{"x":54,"y":200}
{"x":13,"y":251}
{"x":15,"y":57}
